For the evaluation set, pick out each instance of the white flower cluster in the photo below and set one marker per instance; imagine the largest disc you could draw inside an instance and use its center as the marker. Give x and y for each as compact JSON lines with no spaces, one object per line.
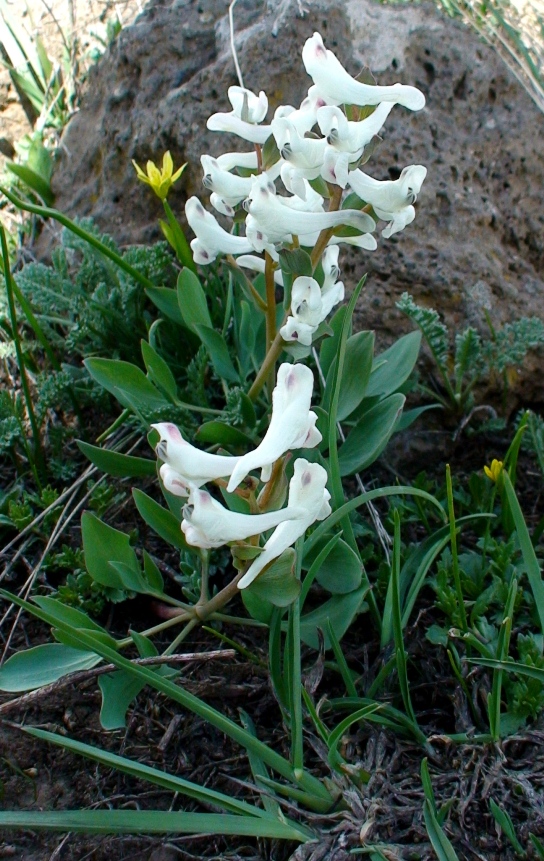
{"x":304,"y":156}
{"x":206,"y":523}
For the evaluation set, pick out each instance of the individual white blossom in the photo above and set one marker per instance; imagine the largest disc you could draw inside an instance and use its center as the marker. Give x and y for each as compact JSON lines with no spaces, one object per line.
{"x":279,"y":222}
{"x":348,"y":136}
{"x":292,"y":424}
{"x":206,"y":523}
{"x":391,"y":199}
{"x":188,"y":465}
{"x":310,"y":303}
{"x":173,"y":481}
{"x":211,"y":238}
{"x":336,"y":86}
{"x":248,"y":111}
{"x":309,"y":496}
{"x":257,"y":264}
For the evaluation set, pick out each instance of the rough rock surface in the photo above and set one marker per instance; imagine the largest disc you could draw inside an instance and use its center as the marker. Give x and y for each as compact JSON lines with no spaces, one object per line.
{"x":480,"y":222}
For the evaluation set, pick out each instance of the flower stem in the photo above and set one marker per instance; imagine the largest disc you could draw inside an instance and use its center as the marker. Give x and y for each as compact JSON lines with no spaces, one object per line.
{"x":270,"y":360}
{"x":326,"y":234}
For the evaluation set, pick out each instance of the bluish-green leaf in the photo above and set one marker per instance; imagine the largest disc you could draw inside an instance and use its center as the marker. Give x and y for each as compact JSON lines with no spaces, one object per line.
{"x":219,"y":353}
{"x":278,"y":584}
{"x":127,"y":383}
{"x":394,"y":366}
{"x":220,"y":433}
{"x":339,"y":610}
{"x":160,"y":519}
{"x":192,"y":300}
{"x":341,"y":571}
{"x":42,"y":665}
{"x":355,"y":374}
{"x":158,"y":371}
{"x":166,"y":300}
{"x":369,"y":437}
{"x":118,"y":464}
{"x":103,"y":544}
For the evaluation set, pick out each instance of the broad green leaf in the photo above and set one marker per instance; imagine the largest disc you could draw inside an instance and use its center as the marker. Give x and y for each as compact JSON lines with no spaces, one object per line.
{"x":395,"y":366}
{"x":132,"y":579}
{"x":42,"y":665}
{"x":118,"y":690}
{"x":160,"y":519}
{"x":219,"y":353}
{"x":278,"y":584}
{"x":158,"y":371}
{"x":216,"y":432}
{"x":127,"y":383}
{"x":103,"y":544}
{"x":34,"y":181}
{"x":355,"y":374}
{"x":341,"y":571}
{"x":369,"y":437}
{"x":152,"y":573}
{"x":296,"y":261}
{"x":166,"y":300}
{"x":192,"y":300}
{"x":117,"y":464}
{"x":340,"y":611}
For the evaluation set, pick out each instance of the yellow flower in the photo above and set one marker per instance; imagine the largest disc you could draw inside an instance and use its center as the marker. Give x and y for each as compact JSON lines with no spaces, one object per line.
{"x":159,"y":180}
{"x":493,"y":472}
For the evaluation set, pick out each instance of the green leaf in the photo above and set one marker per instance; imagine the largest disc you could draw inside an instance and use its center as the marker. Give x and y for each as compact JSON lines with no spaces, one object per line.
{"x":329,"y":347}
{"x":395,"y":366}
{"x":117,"y":464}
{"x":503,"y":819}
{"x":355,"y":374}
{"x":178,"y":240}
{"x":103,"y":544}
{"x":341,"y":571}
{"x":296,"y":261}
{"x":42,"y":665}
{"x":192,"y":300}
{"x":152,"y":574}
{"x":34,"y":181}
{"x":219,"y":353}
{"x":160,"y":520}
{"x":369,"y":437}
{"x":154,"y":776}
{"x":118,"y":690}
{"x":158,"y":371}
{"x":270,"y":152}
{"x":532,"y":567}
{"x":220,"y":433}
{"x":63,"y":614}
{"x":127,"y":383}
{"x":151,"y":822}
{"x":340,"y":611}
{"x":278,"y":584}
{"x":166,"y":300}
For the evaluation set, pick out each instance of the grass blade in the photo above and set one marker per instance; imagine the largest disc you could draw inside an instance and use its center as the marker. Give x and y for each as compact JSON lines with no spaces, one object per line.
{"x":151,"y":822}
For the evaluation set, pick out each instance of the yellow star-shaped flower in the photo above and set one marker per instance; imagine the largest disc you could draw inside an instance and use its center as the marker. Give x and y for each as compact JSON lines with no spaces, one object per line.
{"x":493,"y":472}
{"x":160,"y":180}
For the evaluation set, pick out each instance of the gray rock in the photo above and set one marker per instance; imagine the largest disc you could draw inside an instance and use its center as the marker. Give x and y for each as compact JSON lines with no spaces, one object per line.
{"x":480,"y":218}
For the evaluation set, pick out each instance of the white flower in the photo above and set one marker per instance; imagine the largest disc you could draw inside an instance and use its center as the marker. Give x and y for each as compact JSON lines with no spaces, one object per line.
{"x":304,"y":118}
{"x":348,"y":136}
{"x":278,"y":221}
{"x":248,"y":111}
{"x":257,"y":264}
{"x":301,"y":152}
{"x":206,"y":523}
{"x":246,"y":105}
{"x":308,"y":494}
{"x":187,"y":464}
{"x":335,"y":85}
{"x":391,"y":199}
{"x":230,"y":187}
{"x":292,"y":424}
{"x":310,"y":304}
{"x":230,"y":160}
{"x":211,"y":238}
{"x":173,"y":481}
